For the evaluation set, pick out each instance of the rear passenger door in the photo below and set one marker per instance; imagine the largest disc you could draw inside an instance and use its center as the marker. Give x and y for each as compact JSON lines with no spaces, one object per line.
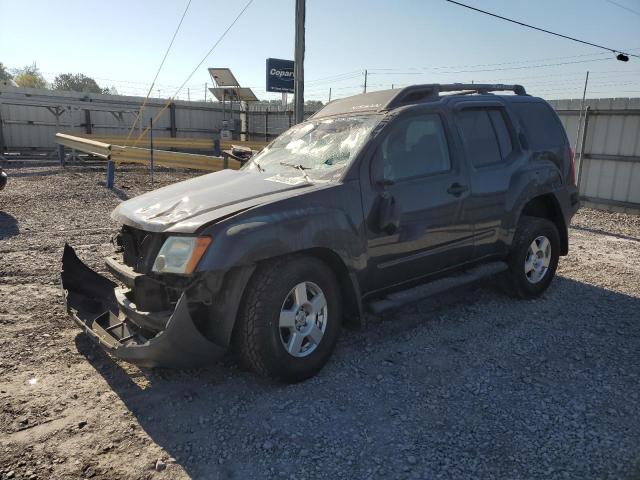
{"x":490,"y":146}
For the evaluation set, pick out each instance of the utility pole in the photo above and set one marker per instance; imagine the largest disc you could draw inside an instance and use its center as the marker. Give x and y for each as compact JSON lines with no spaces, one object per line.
{"x":584,"y":94}
{"x":575,"y":145}
{"x":189,"y":94}
{"x":365,"y":81}
{"x":298,"y":72}
{"x":205,"y":91}
{"x":329,"y":94}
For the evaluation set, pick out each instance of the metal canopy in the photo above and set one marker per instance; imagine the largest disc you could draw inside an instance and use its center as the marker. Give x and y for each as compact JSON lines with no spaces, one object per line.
{"x":223,"y":77}
{"x":236,"y":94}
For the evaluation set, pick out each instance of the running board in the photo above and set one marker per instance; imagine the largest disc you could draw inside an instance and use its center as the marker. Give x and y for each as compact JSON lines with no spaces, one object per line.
{"x":399,"y":299}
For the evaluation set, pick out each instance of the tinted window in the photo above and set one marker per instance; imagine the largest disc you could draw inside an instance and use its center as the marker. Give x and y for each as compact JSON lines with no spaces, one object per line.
{"x":415,"y":146}
{"x":544,"y":131}
{"x":502,"y":132}
{"x":478,"y":135}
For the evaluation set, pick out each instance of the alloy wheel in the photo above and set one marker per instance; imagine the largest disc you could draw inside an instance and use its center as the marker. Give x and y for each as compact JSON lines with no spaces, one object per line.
{"x":303,"y":319}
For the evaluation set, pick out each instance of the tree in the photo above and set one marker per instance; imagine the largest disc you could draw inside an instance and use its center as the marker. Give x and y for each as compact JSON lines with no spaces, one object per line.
{"x":77,"y":83}
{"x":29,"y":76}
{"x":313,"y":104}
{"x":4,"y":73}
{"x":110,"y":91}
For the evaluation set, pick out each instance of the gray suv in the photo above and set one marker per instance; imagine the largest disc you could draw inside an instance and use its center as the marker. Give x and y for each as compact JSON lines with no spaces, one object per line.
{"x":376,"y":200}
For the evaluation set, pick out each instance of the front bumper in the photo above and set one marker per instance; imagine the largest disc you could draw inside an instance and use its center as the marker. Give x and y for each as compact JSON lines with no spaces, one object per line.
{"x":159,"y":339}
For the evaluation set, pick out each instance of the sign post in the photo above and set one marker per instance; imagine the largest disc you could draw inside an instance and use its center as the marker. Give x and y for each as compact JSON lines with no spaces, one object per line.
{"x":299,"y":59}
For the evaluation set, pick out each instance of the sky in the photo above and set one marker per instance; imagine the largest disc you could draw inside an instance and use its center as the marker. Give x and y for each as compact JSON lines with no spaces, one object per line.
{"x":121,"y":44}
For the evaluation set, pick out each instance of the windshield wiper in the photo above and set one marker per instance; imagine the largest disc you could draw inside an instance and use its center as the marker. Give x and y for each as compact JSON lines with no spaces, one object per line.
{"x":260,"y":167}
{"x":299,"y":167}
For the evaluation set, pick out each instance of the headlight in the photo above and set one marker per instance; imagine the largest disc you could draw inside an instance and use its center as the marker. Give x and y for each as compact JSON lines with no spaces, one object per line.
{"x":180,"y":254}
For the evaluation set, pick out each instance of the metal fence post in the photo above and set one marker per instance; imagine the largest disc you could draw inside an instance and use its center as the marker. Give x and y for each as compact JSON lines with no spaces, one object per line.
{"x":61,"y":155}
{"x":2,"y":144}
{"x":266,"y":125}
{"x":583,"y":140}
{"x":111,"y":174}
{"x":172,"y":118}
{"x":87,"y":121}
{"x":151,"y":147}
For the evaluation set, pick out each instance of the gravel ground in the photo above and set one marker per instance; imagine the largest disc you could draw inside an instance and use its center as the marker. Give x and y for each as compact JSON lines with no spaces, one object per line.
{"x":471,"y":384}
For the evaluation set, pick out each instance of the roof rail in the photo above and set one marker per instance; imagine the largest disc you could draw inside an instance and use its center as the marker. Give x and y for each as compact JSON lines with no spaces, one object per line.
{"x":430,"y":92}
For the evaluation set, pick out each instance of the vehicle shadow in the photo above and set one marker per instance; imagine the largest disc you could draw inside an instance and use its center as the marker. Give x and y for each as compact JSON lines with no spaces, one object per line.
{"x":8,"y":226}
{"x":600,"y":231}
{"x":220,"y":422}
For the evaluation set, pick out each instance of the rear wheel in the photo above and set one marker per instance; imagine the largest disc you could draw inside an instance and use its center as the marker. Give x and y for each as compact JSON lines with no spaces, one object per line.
{"x":534,"y":257}
{"x":290,"y":318}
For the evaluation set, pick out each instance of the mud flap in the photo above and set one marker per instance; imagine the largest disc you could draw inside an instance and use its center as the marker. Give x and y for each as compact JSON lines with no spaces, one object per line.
{"x":91,"y":302}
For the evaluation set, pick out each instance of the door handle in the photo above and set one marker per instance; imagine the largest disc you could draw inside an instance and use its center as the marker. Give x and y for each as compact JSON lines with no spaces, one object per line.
{"x":456,"y":189}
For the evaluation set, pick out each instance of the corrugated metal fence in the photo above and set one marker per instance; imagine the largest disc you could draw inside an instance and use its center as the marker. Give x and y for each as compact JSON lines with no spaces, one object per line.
{"x":608,"y":148}
{"x":30,"y":118}
{"x":608,"y":144}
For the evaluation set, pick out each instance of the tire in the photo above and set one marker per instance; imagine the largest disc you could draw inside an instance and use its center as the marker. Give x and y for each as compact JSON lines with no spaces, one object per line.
{"x":530,"y":273}
{"x":275,"y":341}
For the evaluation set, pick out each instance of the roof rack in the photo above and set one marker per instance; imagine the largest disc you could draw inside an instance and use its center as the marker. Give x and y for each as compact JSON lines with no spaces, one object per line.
{"x":430,"y":92}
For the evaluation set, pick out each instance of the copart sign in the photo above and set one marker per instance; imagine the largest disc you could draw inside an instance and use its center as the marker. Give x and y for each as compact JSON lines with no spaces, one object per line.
{"x":279,"y":75}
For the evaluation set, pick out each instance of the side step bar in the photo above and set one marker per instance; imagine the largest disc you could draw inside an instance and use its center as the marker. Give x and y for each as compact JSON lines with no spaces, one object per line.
{"x":399,"y":299}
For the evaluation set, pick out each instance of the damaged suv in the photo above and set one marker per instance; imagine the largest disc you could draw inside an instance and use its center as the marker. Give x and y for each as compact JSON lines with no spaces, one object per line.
{"x":376,"y":199}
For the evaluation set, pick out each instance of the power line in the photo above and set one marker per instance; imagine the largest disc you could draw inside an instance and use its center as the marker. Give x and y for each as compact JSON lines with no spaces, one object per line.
{"x":495,"y":64}
{"x":623,"y":6}
{"x":224,"y":34}
{"x":164,"y":58}
{"x":220,"y":38}
{"x":522,"y":67}
{"x":613,"y":50}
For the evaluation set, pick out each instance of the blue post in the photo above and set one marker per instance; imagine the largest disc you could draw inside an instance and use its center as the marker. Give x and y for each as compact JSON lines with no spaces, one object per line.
{"x":151,"y":141}
{"x":61,"y":155}
{"x":111,"y":174}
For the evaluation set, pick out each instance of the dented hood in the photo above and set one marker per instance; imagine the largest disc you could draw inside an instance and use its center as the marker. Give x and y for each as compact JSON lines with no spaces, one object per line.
{"x":186,"y":206}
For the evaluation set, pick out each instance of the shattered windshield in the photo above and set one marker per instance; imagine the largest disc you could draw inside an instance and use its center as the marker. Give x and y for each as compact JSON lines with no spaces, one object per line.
{"x":315,"y":150}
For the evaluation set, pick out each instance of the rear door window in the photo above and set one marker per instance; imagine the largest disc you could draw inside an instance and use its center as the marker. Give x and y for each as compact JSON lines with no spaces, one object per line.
{"x":502,"y":132}
{"x":485,"y":136}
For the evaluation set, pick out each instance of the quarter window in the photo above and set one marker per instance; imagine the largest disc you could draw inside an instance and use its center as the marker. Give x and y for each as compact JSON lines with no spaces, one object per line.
{"x":415,"y":146}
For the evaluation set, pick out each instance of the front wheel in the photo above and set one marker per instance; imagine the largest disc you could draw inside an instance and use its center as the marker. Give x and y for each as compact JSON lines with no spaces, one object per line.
{"x":289,"y":320}
{"x":534,"y":257}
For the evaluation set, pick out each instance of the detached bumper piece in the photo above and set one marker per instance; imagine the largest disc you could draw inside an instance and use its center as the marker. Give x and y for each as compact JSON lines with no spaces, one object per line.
{"x":148,"y":339}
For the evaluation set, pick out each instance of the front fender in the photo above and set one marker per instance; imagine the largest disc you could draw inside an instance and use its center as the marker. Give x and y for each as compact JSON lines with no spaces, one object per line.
{"x":328,"y":218}
{"x":260,"y":237}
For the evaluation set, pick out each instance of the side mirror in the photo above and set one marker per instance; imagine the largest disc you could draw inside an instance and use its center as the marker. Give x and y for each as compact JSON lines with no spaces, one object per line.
{"x":388,"y":214}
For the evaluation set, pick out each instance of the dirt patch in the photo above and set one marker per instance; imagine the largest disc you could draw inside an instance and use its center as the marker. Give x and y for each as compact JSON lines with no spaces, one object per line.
{"x":471,"y":384}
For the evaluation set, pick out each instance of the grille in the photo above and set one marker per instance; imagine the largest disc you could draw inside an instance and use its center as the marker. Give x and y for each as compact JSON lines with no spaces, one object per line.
{"x":139,"y":248}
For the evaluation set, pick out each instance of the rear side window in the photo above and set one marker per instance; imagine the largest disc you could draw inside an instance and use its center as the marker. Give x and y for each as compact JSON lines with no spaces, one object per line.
{"x":485,"y":136}
{"x":544,"y":131}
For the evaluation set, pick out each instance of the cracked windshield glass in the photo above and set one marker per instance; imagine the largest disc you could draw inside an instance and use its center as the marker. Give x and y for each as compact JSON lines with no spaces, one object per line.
{"x":315,"y":150}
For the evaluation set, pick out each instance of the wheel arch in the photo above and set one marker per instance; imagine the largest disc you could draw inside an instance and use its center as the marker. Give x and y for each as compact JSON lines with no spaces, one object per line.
{"x":547,"y":206}
{"x":349,"y":287}
{"x":347,"y":281}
